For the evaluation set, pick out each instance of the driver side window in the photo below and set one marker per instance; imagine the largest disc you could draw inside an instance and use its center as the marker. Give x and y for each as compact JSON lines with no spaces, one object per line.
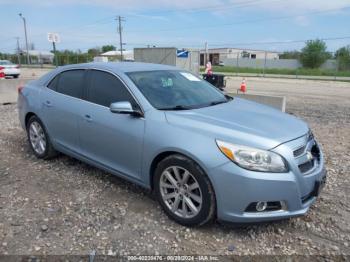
{"x":106,"y":88}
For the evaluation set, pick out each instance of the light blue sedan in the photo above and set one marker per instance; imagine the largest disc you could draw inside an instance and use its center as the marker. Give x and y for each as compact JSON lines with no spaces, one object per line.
{"x":205,"y":155}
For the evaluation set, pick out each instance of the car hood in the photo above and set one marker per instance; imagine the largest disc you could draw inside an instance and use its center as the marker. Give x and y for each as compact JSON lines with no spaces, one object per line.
{"x":241,"y":122}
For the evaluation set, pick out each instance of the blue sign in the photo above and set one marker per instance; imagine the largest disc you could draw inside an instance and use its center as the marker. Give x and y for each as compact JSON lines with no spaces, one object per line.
{"x":182,"y":53}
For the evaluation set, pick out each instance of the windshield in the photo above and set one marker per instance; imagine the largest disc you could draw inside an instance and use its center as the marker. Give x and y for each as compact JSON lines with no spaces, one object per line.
{"x":176,"y":90}
{"x":5,"y":62}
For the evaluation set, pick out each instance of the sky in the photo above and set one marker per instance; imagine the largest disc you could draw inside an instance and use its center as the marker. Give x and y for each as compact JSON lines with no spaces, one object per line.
{"x":276,"y":25}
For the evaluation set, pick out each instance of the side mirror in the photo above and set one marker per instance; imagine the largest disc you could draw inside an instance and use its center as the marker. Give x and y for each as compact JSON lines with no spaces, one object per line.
{"x":124,"y":107}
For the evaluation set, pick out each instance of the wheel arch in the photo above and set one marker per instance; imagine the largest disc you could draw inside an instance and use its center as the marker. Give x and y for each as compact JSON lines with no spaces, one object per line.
{"x":28,"y":116}
{"x":162,"y":155}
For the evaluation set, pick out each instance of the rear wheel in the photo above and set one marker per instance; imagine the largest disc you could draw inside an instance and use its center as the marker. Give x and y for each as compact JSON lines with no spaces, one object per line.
{"x":39,"y":140}
{"x":15,"y":76}
{"x":184,"y":191}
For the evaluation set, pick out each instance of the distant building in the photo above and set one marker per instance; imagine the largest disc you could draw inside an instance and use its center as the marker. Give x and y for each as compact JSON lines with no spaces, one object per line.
{"x":39,"y":57}
{"x":127,"y":55}
{"x":217,"y":55}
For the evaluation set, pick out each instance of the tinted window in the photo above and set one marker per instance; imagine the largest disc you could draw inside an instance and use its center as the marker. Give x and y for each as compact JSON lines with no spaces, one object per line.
{"x":53,"y":84}
{"x":71,"y":83}
{"x":106,"y":89}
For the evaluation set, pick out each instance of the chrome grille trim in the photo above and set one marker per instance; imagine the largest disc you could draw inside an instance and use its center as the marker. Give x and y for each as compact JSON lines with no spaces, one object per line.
{"x":300,"y":151}
{"x":307,"y":155}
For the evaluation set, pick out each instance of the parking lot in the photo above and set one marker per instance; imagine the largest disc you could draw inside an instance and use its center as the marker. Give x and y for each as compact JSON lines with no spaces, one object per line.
{"x":63,"y":206}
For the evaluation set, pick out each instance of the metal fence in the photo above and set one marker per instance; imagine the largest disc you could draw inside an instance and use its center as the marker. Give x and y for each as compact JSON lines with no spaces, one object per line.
{"x":263,"y":63}
{"x":59,"y":60}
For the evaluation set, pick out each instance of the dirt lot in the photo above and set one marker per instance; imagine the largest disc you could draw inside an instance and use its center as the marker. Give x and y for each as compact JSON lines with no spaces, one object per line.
{"x":63,"y":206}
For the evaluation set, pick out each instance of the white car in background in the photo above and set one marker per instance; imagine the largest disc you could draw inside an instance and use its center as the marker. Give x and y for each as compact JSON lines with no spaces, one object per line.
{"x":9,"y":68}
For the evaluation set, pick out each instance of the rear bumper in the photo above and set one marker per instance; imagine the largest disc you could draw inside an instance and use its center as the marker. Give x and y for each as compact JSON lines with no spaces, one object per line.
{"x":12,"y":72}
{"x":237,"y":188}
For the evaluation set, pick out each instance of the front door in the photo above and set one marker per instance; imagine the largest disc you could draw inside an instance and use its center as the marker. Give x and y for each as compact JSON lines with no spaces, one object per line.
{"x":113,"y":140}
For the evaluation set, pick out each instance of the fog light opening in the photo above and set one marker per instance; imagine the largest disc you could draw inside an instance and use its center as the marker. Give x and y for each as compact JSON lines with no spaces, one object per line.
{"x":261,"y":206}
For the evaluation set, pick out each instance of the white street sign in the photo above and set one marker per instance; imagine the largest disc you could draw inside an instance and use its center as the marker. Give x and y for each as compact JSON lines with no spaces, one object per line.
{"x":53,"y":37}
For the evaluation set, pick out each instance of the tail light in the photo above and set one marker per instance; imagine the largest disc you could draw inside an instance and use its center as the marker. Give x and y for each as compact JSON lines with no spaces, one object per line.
{"x":19,"y":89}
{"x":2,"y":68}
{"x":17,"y":66}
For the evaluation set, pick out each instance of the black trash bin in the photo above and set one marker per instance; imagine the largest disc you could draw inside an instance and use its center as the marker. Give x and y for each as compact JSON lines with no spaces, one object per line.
{"x":216,"y":80}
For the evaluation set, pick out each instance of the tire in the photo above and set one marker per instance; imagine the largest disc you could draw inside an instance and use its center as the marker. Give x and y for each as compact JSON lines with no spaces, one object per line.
{"x":46,"y":151}
{"x":199,"y":199}
{"x":15,"y":76}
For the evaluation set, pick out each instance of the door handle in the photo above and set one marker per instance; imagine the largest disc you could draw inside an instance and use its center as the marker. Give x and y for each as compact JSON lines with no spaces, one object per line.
{"x":88,"y":118}
{"x":48,"y":103}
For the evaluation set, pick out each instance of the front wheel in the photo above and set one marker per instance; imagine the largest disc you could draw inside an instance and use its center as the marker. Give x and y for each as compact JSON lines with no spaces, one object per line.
{"x":184,"y":191}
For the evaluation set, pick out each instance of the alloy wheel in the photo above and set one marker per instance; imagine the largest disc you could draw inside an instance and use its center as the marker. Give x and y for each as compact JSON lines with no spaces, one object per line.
{"x":37,"y":137}
{"x":180,"y":192}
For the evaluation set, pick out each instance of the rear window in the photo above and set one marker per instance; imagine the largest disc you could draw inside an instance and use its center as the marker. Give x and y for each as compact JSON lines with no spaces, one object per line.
{"x":71,"y":83}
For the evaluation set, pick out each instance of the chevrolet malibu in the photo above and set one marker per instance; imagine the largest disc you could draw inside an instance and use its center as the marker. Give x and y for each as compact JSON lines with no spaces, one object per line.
{"x":205,"y":155}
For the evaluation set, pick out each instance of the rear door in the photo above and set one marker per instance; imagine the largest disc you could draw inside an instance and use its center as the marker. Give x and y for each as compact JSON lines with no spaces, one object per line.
{"x":62,"y":102}
{"x":113,"y":140}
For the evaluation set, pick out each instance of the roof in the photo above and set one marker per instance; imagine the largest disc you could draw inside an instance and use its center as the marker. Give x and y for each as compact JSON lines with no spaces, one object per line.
{"x":123,"y":67}
{"x":39,"y":53}
{"x":237,"y":48}
{"x":115,"y":53}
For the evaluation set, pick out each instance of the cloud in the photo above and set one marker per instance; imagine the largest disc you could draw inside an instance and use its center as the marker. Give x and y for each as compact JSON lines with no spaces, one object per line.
{"x":218,"y":6}
{"x":299,"y":6}
{"x":151,"y":17}
{"x":302,"y":21}
{"x":138,"y":5}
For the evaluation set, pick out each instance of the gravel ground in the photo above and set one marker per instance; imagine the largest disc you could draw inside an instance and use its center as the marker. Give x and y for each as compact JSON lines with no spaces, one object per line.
{"x":64,"y":206}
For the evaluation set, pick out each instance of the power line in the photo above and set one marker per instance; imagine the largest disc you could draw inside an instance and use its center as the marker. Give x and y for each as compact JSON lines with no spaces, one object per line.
{"x":242,"y":22}
{"x":210,"y":8}
{"x":283,"y":42}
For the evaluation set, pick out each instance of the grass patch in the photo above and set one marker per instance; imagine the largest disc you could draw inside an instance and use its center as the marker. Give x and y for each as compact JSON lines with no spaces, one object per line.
{"x":277,"y":71}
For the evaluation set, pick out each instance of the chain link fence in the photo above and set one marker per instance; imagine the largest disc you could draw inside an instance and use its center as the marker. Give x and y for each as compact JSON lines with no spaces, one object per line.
{"x":262,"y":63}
{"x":259,"y":63}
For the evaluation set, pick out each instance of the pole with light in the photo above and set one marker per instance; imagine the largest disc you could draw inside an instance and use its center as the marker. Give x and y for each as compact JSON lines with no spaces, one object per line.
{"x":25,"y":34}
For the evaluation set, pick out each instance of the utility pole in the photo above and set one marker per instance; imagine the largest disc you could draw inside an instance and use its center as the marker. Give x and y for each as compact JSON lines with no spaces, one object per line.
{"x":206,"y":53}
{"x":120,"y":30}
{"x":54,"y":52}
{"x":18,"y":51}
{"x":25,"y":34}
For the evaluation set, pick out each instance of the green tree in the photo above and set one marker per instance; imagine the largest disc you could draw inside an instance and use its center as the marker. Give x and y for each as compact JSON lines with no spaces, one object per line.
{"x":343,"y":58}
{"x":94,"y":51}
{"x":107,"y":48}
{"x":314,"y":54}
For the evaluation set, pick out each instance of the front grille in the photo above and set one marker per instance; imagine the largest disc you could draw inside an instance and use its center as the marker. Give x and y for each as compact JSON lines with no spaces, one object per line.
{"x":299,"y":151}
{"x":310,"y":137}
{"x":305,"y":167}
{"x":307,"y":155}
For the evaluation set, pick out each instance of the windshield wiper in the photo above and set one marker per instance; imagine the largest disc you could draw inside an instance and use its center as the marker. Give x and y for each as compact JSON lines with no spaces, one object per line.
{"x":218,"y":102}
{"x":178,"y":107}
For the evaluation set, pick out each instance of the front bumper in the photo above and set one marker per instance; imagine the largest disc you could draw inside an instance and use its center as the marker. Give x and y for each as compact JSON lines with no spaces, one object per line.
{"x":236,"y":188}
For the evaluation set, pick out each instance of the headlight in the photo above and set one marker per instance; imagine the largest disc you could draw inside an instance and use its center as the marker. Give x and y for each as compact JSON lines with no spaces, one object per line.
{"x":252,"y":158}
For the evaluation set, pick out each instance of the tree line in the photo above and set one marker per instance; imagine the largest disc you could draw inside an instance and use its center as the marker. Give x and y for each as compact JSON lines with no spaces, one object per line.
{"x":315,"y":53}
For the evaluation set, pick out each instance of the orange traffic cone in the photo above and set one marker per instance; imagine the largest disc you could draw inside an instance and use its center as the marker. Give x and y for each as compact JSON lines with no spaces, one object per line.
{"x":243,"y":88}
